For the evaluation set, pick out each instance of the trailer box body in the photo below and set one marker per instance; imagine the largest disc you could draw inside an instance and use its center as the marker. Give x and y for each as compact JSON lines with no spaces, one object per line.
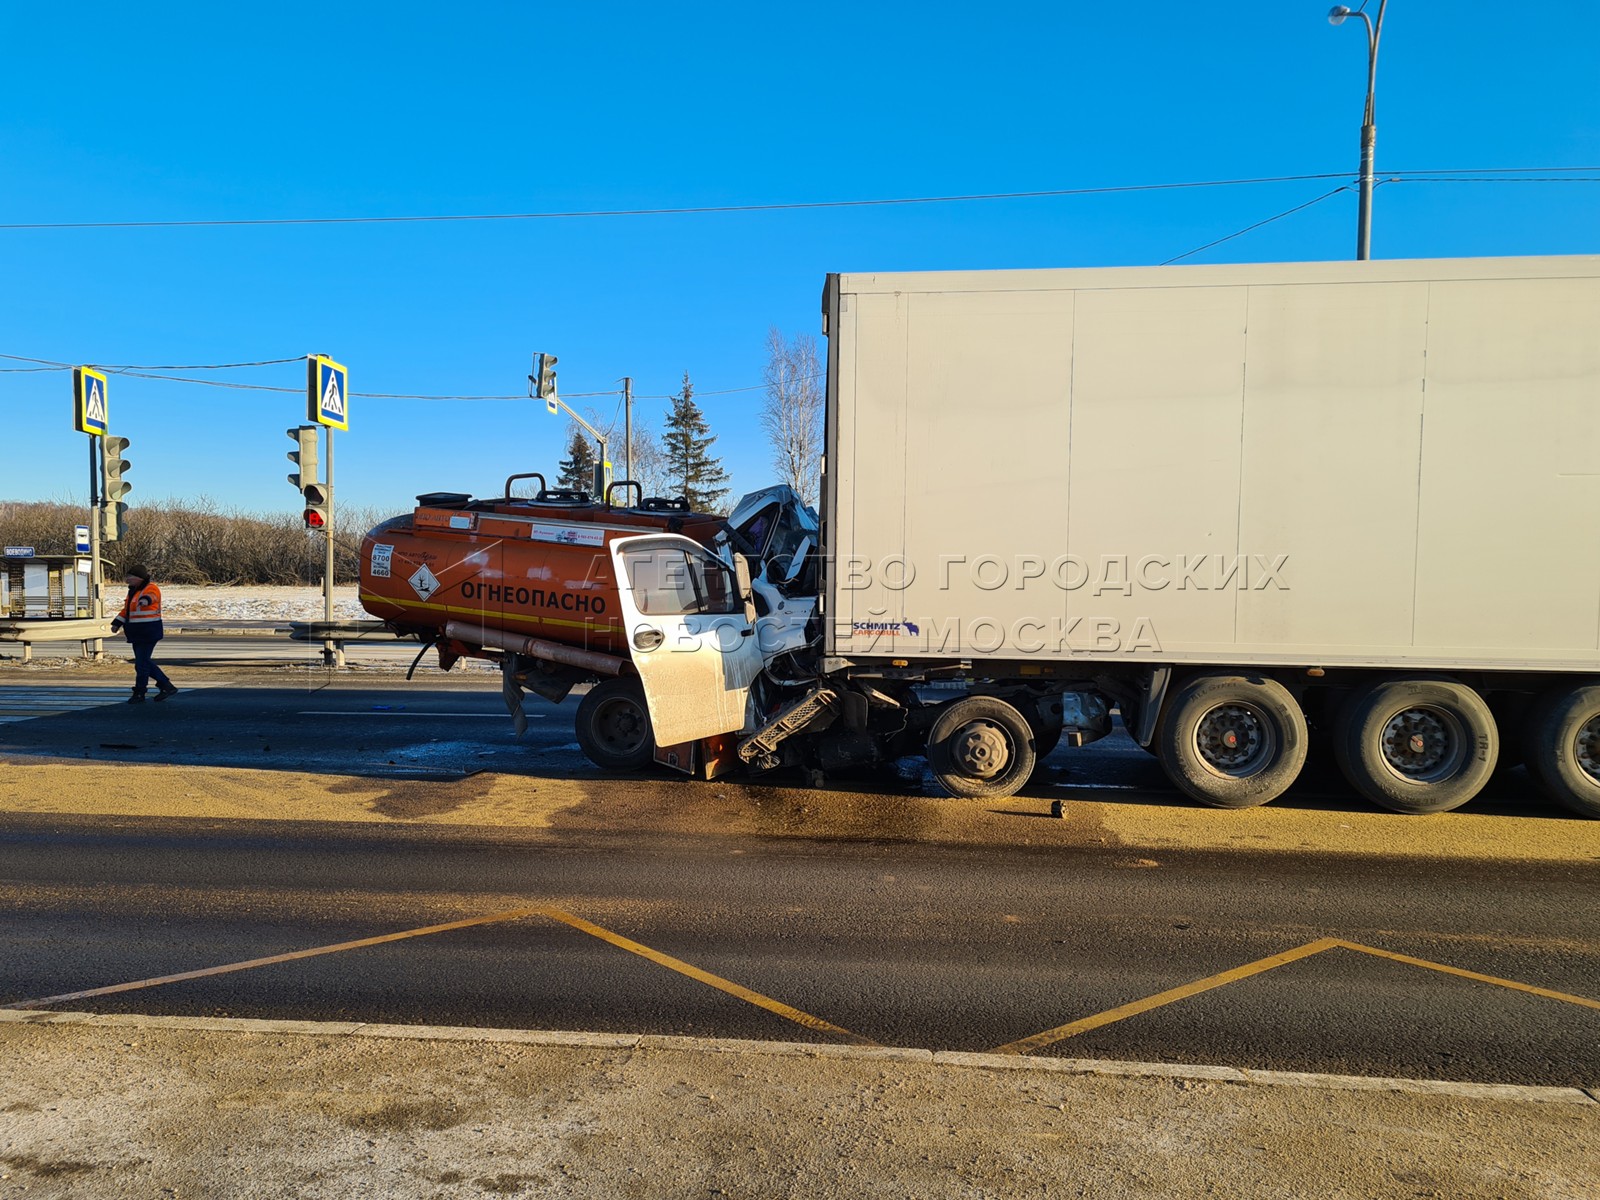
{"x":1322,"y":464}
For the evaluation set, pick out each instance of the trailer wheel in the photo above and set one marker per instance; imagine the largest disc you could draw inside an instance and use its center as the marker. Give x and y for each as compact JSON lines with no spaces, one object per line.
{"x":613,"y":726}
{"x":1232,"y":741}
{"x":1417,"y":745}
{"x":1563,"y":747}
{"x":981,"y":747}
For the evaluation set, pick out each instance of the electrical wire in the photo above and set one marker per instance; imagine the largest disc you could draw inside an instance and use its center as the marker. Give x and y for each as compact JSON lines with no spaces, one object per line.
{"x":786,"y":206}
{"x":780,"y":206}
{"x":1288,"y":212}
{"x":1431,"y":175}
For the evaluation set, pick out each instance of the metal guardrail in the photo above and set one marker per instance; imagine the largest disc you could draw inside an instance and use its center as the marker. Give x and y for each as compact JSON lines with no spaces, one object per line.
{"x":29,"y":630}
{"x":337,"y":631}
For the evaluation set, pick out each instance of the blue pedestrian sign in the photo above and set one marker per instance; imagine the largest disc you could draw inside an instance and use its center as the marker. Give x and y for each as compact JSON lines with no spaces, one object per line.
{"x":90,"y":408}
{"x":327,"y":392}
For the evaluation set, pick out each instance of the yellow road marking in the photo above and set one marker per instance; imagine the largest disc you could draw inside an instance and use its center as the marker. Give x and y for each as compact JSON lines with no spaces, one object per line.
{"x":1122,"y":1012}
{"x":249,"y":964}
{"x":1112,"y":1015}
{"x":1494,"y":979}
{"x":705,"y":977}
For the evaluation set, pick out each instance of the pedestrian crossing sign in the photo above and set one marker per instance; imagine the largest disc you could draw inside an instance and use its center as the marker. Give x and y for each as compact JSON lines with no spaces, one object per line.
{"x":89,"y":405}
{"x":327,"y":392}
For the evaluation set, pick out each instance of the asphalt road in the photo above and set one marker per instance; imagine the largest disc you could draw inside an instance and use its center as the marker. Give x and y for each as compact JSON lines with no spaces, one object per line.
{"x":758,"y":912}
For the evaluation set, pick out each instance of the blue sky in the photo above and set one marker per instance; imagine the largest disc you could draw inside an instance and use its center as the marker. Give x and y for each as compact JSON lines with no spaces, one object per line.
{"x":174,"y":112}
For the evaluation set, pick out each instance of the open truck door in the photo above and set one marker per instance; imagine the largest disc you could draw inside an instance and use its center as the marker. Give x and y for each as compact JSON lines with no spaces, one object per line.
{"x":690,"y":635}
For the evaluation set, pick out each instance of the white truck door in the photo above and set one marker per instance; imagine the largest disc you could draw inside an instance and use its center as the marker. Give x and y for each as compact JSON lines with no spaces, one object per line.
{"x":688,"y":635}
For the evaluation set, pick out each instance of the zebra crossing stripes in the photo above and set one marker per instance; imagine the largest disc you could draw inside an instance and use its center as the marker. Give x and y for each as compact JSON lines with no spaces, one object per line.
{"x":26,"y":703}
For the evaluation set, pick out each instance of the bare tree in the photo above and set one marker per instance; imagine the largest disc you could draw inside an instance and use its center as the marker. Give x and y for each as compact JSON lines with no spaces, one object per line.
{"x":649,"y":459}
{"x":792,"y":414}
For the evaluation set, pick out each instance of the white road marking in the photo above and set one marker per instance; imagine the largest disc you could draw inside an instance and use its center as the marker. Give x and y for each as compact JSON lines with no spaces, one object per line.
{"x":27,"y":703}
{"x":332,"y":712}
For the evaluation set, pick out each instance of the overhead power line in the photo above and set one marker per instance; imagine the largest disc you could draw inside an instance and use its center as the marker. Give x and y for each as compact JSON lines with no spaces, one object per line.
{"x":691,"y":210}
{"x":802,"y":205}
{"x":1288,"y":212}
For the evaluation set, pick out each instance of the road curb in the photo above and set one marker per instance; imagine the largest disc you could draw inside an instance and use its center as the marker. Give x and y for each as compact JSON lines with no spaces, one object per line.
{"x":1508,"y":1092}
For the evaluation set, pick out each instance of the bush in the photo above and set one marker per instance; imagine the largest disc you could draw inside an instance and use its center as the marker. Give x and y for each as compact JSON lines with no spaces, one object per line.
{"x":184,"y":541}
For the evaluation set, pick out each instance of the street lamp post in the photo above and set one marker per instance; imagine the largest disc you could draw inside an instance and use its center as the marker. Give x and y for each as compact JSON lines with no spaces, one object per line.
{"x":1369,"y":125}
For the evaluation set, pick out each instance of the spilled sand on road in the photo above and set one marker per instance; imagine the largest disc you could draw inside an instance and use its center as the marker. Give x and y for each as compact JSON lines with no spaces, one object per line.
{"x":228,"y":793}
{"x":553,"y":806}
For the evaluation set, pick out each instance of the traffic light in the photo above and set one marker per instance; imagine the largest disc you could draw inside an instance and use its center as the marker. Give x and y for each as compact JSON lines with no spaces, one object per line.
{"x":113,"y":487}
{"x":113,"y":521}
{"x":112,"y":465}
{"x":319,"y":505}
{"x":304,"y":456}
{"x":544,"y":377}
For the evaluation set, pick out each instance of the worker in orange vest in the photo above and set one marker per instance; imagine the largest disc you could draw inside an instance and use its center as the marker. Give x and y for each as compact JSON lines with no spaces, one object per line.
{"x":140,"y":621}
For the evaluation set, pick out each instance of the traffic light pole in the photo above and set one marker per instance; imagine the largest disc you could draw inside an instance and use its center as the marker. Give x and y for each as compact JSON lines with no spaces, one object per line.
{"x":97,"y":603}
{"x":627,"y":427}
{"x":600,"y":466}
{"x":332,"y":651}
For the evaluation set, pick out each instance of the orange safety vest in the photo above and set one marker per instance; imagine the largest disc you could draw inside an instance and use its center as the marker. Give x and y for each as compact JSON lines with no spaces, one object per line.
{"x":143,"y":606}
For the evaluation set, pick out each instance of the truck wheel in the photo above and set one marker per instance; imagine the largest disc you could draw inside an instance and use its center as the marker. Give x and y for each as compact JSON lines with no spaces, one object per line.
{"x":981,"y":747}
{"x":1232,"y":741}
{"x":1417,"y":745}
{"x":613,"y":726}
{"x":1563,"y":747}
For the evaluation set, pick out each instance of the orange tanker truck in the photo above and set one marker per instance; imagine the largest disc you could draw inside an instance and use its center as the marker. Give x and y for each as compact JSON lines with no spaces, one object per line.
{"x":712,"y":632}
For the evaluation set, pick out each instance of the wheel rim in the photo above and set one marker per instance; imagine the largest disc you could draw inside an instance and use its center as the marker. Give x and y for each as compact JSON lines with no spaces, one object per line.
{"x":1236,"y":739}
{"x":619,"y":726}
{"x":1423,"y":744}
{"x":1587,"y":749}
{"x":980,"y":749}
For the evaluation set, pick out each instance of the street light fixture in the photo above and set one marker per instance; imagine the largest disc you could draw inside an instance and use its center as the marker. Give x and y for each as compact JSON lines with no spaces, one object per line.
{"x":1338,"y":15}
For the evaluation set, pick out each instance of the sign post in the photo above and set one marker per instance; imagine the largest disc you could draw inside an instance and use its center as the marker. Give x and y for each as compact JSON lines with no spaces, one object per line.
{"x":91,"y":414}
{"x":328,"y":405}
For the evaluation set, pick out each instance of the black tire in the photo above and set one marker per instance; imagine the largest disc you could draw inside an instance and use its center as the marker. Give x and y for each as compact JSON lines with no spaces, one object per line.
{"x":1563,"y":747}
{"x":1232,"y":741}
{"x":981,"y":747}
{"x":1417,"y":745}
{"x":613,"y":726}
{"x":1046,"y":720}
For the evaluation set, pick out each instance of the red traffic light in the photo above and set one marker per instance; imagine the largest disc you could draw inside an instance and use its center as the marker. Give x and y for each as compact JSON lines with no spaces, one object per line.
{"x":314,"y":519}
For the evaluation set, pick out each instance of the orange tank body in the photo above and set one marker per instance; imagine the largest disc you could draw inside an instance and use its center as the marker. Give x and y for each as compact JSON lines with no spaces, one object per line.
{"x":538,"y":568}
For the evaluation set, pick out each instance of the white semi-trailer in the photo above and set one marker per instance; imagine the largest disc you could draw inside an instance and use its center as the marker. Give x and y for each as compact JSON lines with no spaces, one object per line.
{"x":1252,"y":506}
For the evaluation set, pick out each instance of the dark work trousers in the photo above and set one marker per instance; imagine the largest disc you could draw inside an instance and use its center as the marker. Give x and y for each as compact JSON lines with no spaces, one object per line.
{"x":144,"y":669}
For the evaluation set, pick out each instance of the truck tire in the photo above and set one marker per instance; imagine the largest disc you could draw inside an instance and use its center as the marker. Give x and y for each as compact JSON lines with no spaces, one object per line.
{"x":1417,"y":745}
{"x":1563,"y":747}
{"x":1046,"y":720}
{"x":1232,"y":741}
{"x":981,"y":747}
{"x":613,"y":726}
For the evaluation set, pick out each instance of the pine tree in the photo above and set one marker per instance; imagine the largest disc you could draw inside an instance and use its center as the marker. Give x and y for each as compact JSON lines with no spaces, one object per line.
{"x":686,"y":440}
{"x":577,"y":470}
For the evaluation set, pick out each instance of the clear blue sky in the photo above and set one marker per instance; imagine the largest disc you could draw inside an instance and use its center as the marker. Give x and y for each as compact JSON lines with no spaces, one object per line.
{"x":173,"y":112}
